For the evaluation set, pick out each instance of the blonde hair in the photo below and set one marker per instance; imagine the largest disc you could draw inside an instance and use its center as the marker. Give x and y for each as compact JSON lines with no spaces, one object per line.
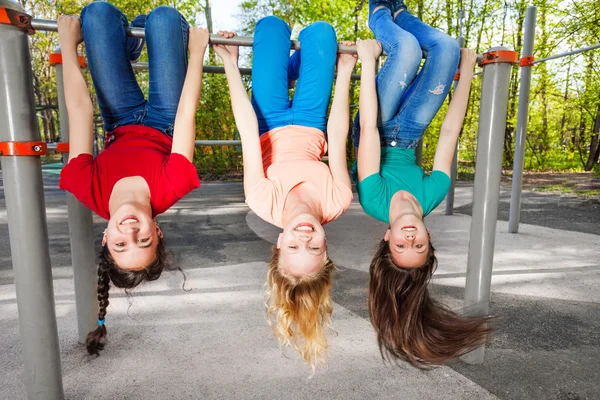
{"x":299,"y":309}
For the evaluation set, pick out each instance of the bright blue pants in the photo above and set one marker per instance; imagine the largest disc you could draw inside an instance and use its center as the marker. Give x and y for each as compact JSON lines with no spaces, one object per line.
{"x":109,"y":49}
{"x":273,"y":68}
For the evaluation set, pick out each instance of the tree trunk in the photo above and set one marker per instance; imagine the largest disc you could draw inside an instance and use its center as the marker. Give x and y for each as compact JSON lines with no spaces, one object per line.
{"x":209,"y":24}
{"x":420,"y":6}
{"x":563,"y":119}
{"x":514,"y":87}
{"x":449,"y":18}
{"x":468,"y":24}
{"x":543,"y":139}
{"x":580,"y":141}
{"x":481,"y":26}
{"x":594,"y":153}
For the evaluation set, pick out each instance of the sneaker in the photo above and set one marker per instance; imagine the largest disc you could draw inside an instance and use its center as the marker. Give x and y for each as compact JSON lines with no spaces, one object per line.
{"x":135,"y":45}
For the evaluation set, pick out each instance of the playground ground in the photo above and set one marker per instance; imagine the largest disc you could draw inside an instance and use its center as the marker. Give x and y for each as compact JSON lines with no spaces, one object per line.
{"x":213,"y":343}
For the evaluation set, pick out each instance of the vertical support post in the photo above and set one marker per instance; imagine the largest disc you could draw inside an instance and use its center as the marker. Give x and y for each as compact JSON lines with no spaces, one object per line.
{"x":23,"y":190}
{"x":514,"y":215}
{"x":492,"y":123}
{"x":81,"y":236}
{"x":454,"y":167}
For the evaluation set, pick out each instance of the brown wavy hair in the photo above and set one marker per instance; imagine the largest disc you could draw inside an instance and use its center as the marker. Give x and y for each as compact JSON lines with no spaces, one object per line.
{"x":299,"y":309}
{"x":412,"y":326}
{"x":108,"y":272}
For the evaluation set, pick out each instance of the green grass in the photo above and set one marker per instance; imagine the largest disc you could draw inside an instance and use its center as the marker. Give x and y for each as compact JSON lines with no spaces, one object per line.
{"x":555,"y":188}
{"x":564,"y":189}
{"x":589,"y":194}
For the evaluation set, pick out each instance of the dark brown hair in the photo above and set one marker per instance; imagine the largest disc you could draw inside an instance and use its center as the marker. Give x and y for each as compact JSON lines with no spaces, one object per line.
{"x":109,"y":271}
{"x":412,"y":326}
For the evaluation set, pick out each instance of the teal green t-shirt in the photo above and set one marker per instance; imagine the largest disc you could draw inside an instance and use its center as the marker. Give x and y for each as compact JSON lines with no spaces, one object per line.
{"x":399,"y":171}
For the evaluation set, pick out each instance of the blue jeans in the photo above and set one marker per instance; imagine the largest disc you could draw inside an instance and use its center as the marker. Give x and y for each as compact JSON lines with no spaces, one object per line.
{"x":109,"y":49}
{"x":408,"y":98}
{"x":272,"y":68}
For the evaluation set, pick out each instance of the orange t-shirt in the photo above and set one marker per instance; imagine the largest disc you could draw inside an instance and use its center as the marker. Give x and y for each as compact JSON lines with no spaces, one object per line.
{"x":291,"y":156}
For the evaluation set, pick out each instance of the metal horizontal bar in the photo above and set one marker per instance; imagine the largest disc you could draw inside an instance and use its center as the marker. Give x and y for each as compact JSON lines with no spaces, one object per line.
{"x":52,"y":26}
{"x":218,"y":143}
{"x":216,"y":69}
{"x":198,"y":143}
{"x":568,"y":53}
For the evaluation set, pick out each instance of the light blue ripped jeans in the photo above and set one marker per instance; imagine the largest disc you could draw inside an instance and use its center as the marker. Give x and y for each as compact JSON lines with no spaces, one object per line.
{"x":408,"y":101}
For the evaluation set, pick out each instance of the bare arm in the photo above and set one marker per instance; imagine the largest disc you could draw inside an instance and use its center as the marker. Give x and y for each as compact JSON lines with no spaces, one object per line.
{"x":245,"y":117}
{"x":369,"y":148}
{"x":77,"y":96}
{"x":338,"y":123}
{"x":455,"y":115}
{"x":184,"y":131}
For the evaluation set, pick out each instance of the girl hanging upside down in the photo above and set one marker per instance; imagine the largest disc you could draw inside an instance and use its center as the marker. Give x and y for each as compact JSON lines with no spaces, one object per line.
{"x":146,"y":166}
{"x":285,"y":181}
{"x":392,"y":188}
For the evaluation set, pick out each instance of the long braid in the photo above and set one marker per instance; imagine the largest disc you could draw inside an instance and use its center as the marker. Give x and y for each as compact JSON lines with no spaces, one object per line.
{"x":97,"y":338}
{"x":103,"y":287}
{"x":109,"y":272}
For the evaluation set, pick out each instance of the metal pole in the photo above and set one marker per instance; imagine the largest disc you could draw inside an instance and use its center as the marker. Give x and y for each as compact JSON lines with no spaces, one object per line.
{"x":568,"y":53}
{"x":492,"y":123}
{"x":514,"y":215}
{"x":81,"y":237}
{"x":199,"y":143}
{"x":23,"y":190}
{"x":454,"y":167}
{"x":215,"y":69}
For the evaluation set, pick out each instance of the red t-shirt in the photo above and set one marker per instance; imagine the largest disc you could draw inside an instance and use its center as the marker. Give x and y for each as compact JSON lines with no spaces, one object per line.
{"x":131,"y":150}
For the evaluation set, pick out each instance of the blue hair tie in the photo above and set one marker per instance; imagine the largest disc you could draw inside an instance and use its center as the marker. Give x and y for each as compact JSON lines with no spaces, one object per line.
{"x":100,"y":322}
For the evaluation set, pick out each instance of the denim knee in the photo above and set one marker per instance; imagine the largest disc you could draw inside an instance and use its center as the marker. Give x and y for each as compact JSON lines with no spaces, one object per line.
{"x":323,"y":30}
{"x":97,"y":13}
{"x":271,"y":23}
{"x":446,"y":46}
{"x":164,"y":15}
{"x":410,"y":47}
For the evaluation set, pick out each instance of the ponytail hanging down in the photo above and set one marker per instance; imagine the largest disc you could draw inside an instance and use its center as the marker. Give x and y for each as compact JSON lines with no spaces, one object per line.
{"x":109,"y":271}
{"x":412,"y":326}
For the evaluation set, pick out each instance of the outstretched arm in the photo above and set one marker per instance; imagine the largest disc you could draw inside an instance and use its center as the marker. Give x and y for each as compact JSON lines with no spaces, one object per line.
{"x":369,"y":147}
{"x":77,"y":96}
{"x":338,"y":124}
{"x":455,"y":115}
{"x":184,"y":131}
{"x":245,"y":117}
